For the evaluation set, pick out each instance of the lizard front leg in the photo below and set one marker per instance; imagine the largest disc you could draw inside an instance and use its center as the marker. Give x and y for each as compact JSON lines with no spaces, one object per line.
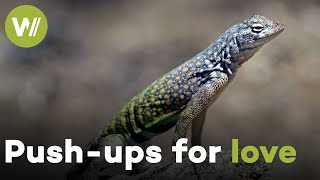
{"x":199,"y":102}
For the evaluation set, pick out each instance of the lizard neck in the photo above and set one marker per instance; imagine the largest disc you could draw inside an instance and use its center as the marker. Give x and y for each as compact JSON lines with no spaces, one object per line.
{"x":223,"y":53}
{"x":227,"y":52}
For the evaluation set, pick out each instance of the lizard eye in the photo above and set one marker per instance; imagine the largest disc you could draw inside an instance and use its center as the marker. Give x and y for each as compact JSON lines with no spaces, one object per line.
{"x":257,"y":27}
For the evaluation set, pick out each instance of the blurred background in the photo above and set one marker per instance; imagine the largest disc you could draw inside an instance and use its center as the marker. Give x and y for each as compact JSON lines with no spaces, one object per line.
{"x":98,"y":54}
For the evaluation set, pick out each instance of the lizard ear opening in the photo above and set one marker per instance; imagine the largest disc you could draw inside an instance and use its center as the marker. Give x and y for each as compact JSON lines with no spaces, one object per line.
{"x":257,"y":27}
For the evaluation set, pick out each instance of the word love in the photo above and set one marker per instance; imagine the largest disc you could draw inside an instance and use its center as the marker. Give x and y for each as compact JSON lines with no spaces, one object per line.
{"x":287,"y":154}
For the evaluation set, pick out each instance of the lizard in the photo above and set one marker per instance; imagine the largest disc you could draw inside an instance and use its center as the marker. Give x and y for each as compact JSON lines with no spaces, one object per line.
{"x":181,"y":97}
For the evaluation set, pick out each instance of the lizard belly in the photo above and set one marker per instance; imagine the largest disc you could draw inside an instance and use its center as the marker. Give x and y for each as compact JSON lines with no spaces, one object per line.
{"x":159,"y":126}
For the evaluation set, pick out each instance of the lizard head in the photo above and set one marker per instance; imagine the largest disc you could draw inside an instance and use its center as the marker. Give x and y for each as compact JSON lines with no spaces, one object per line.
{"x":253,"y":33}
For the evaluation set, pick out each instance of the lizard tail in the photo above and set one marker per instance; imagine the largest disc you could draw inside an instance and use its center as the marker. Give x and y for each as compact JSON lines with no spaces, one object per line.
{"x":89,"y":169}
{"x":77,"y":169}
{"x":112,"y":135}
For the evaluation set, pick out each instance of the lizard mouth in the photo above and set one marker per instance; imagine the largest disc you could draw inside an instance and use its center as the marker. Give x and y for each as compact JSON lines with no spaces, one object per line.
{"x":278,"y":28}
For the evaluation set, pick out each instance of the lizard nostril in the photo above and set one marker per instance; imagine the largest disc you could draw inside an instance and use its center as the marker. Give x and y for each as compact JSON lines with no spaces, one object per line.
{"x":279,"y":25}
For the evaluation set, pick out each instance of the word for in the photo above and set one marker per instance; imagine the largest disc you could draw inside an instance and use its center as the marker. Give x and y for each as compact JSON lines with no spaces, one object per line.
{"x":181,"y":146}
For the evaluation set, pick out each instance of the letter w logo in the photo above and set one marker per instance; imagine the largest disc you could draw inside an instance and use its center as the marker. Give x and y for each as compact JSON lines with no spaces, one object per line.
{"x":25,"y":25}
